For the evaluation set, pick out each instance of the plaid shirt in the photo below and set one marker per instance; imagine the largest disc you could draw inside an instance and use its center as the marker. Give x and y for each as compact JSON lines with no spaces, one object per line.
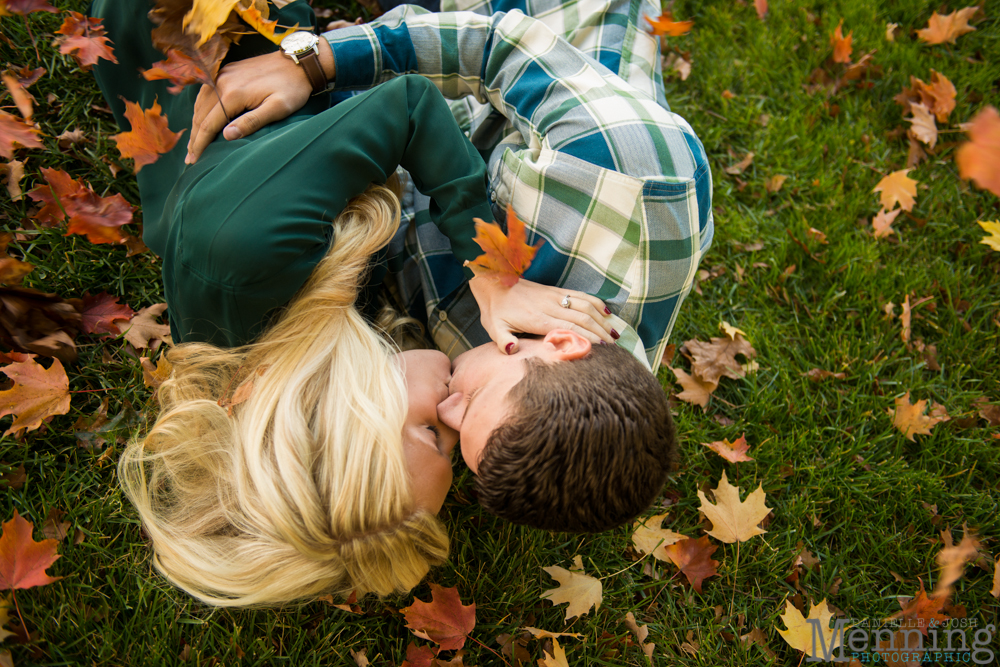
{"x":618,"y":187}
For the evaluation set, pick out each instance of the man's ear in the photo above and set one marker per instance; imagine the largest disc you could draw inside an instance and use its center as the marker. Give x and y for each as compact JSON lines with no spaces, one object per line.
{"x":568,"y":344}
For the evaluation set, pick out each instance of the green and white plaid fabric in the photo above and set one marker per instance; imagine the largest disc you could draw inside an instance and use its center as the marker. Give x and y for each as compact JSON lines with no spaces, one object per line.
{"x":618,"y":187}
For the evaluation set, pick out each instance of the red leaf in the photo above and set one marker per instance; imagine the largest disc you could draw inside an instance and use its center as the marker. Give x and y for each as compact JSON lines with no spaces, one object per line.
{"x":100,"y":311}
{"x":505,"y":258}
{"x":925,"y":611}
{"x":22,"y":560}
{"x":418,"y":656}
{"x":37,"y":394}
{"x":979,"y":159}
{"x":22,"y":7}
{"x":98,"y":218}
{"x":734,"y":452}
{"x":83,"y":38}
{"x":27,"y":76}
{"x":14,"y":131}
{"x":841,"y":45}
{"x":692,"y":557}
{"x":665,"y":24}
{"x":179,"y":69}
{"x":150,"y":136}
{"x":444,"y":621}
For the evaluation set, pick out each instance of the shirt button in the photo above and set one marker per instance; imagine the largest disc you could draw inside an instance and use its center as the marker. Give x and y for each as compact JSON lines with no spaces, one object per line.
{"x":442,"y":315}
{"x":493,"y":196}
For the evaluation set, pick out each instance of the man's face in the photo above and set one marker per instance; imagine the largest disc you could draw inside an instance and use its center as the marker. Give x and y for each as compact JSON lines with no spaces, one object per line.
{"x":482,"y":377}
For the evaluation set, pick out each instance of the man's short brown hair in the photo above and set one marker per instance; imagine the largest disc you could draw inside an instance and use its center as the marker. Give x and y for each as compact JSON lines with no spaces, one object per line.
{"x":587,"y":446}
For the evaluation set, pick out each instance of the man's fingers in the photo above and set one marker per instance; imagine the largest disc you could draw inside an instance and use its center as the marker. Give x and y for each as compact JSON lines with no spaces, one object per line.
{"x":204,"y":132}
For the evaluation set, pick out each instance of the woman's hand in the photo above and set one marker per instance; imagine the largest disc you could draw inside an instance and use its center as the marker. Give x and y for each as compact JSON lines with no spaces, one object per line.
{"x":532,"y":308}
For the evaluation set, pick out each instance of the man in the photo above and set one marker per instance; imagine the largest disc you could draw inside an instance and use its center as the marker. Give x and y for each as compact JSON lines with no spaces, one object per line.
{"x":582,"y":147}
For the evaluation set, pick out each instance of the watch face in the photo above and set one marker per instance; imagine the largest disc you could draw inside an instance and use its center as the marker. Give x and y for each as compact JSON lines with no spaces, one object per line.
{"x":298,"y":42}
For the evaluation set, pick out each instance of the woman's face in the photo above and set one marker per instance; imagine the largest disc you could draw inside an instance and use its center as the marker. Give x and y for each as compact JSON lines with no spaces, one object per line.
{"x":427,"y":441}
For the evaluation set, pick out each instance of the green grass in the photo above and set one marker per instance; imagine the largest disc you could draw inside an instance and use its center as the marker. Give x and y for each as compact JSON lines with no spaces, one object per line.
{"x":842,"y":481}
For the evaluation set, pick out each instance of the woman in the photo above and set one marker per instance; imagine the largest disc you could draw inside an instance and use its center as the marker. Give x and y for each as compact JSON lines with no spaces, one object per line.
{"x":295,"y":453}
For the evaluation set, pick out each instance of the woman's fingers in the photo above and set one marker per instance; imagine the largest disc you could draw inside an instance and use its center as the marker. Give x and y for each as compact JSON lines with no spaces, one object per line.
{"x":584,"y":323}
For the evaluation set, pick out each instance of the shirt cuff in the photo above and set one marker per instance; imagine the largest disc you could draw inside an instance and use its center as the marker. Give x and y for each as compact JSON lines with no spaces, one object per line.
{"x":355,"y":54}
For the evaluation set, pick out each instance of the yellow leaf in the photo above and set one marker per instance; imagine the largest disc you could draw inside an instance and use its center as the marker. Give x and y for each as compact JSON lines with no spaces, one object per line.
{"x":993,"y":230}
{"x":882,"y":223}
{"x":4,"y":619}
{"x":581,"y":591}
{"x":732,"y":520}
{"x":650,"y":538}
{"x":923,"y":126}
{"x":731,"y":331}
{"x":205,"y":17}
{"x":896,"y":188}
{"x":799,"y":634}
{"x":948,"y":27}
{"x":910,"y":419}
{"x":557,"y":659}
{"x":995,"y":591}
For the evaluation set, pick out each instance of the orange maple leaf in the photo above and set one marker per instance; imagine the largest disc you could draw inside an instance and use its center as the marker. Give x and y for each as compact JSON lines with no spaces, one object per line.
{"x":693,"y":558}
{"x":179,"y":69}
{"x":947,"y":28}
{"x":979,"y":159}
{"x":22,"y":560}
{"x":16,"y":132}
{"x":734,"y":452}
{"x":939,"y":95}
{"x":444,"y":620}
{"x":98,"y":218}
{"x":665,"y":25}
{"x":841,"y":45}
{"x":23,"y":7}
{"x":926,"y":611}
{"x":22,"y":98}
{"x":258,"y":21}
{"x":150,"y":136}
{"x":37,"y":394}
{"x":882,"y":223}
{"x":910,"y":419}
{"x":696,"y":391}
{"x":897,"y":188}
{"x":505,"y":258}
{"x":83,"y":38}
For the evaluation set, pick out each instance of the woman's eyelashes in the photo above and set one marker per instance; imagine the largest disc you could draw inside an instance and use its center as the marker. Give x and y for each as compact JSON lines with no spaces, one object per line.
{"x":437,"y":434}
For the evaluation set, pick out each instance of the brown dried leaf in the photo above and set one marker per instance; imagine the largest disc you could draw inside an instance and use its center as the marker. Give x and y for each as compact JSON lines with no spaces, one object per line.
{"x":143,"y":331}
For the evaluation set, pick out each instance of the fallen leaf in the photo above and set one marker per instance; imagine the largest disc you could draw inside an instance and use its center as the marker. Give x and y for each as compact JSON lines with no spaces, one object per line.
{"x":665,"y":25}
{"x":717,"y":358}
{"x":22,"y":560}
{"x":22,"y":99}
{"x":38,"y":393}
{"x":39,"y":322}
{"x":101,"y":312}
{"x":696,"y":391}
{"x":991,"y":413}
{"x":903,"y":648}
{"x":896,"y":188}
{"x":927,"y":612}
{"x":149,"y":137}
{"x":734,"y":452}
{"x":939,"y":95}
{"x":841,"y":45}
{"x":556,"y":659}
{"x":98,"y":218}
{"x":444,"y":620}
{"x":739,"y":167}
{"x":922,"y":124}
{"x":947,"y":28}
{"x":84,"y":39}
{"x":678,"y":63}
{"x":55,"y":528}
{"x":904,"y":320}
{"x":179,"y":69}
{"x":360,"y":659}
{"x":14,"y":132}
{"x":27,"y":76}
{"x":890,"y":31}
{"x":774,"y":183}
{"x":12,"y":173}
{"x":545,"y":634}
{"x":641,"y":633}
{"x":24,"y":7}
{"x":817,"y":235}
{"x":882,"y":223}
{"x":732,"y":520}
{"x":154,"y":376}
{"x":71,"y":138}
{"x":143,"y":331}
{"x":505,"y":258}
{"x":992,"y":229}
{"x":799,"y":632}
{"x":581,"y":591}
{"x":693,"y":558}
{"x":995,"y":591}
{"x":909,"y":417}
{"x":979,"y":158}
{"x":12,"y":270}
{"x":761,"y":7}
{"x":649,"y":537}
{"x":418,"y":656}
{"x":952,"y":559}
{"x":818,"y":375}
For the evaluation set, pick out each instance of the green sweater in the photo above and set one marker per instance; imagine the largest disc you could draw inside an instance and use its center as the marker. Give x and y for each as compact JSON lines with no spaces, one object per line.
{"x":240,"y":231}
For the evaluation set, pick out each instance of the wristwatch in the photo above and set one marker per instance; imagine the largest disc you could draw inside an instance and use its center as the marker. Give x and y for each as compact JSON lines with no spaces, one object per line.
{"x":303,"y":48}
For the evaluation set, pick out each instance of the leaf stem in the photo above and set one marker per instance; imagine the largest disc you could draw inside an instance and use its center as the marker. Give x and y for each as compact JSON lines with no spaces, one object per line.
{"x":32,"y":36}
{"x":490,"y":650}
{"x":13,"y":595}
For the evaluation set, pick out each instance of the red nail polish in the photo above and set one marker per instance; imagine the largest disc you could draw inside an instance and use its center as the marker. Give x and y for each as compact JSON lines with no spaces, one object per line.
{"x":507,"y":349}
{"x":607,"y":311}
{"x":615,"y":334}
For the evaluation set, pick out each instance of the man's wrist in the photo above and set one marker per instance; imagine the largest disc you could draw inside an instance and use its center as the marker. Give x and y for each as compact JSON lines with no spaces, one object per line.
{"x":326,"y":59}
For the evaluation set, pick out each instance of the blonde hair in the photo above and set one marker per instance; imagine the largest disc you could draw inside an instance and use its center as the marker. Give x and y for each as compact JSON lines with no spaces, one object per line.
{"x":303,"y":490}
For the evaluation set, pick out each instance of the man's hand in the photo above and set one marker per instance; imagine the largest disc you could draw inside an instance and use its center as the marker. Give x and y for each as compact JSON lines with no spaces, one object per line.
{"x":255,"y":92}
{"x":529,"y":307}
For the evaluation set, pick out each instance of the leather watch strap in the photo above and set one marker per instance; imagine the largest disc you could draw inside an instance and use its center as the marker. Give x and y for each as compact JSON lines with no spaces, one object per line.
{"x":310,"y":63}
